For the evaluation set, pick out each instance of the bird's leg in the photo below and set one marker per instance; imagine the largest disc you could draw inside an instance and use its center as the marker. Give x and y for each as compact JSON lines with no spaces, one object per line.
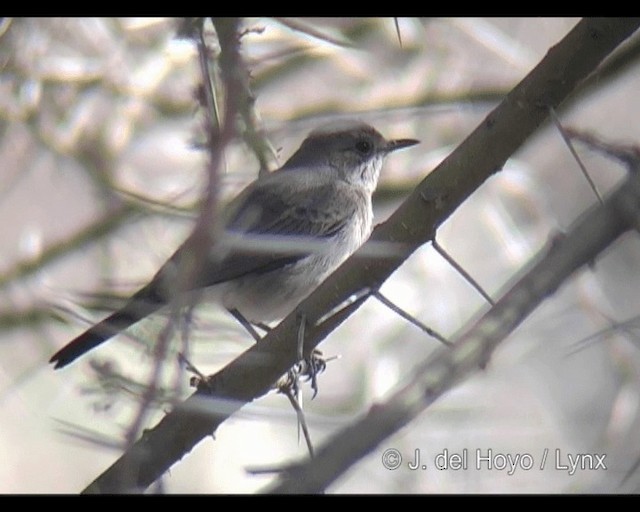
{"x":263,"y":326}
{"x":245,"y":323}
{"x":302,"y":324}
{"x":315,"y":365}
{"x":308,"y":367}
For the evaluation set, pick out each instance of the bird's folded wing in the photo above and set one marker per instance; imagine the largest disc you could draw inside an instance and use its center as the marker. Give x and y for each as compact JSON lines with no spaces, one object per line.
{"x":271,"y":226}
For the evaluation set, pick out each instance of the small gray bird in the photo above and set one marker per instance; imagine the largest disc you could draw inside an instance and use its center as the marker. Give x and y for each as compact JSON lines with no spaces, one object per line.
{"x":284,"y":234}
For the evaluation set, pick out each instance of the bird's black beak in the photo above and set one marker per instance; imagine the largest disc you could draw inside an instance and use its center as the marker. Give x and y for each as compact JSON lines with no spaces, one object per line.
{"x":394,"y":145}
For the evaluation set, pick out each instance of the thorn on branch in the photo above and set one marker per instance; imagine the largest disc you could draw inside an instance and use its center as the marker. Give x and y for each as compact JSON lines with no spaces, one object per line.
{"x":565,"y":136}
{"x":410,"y":318}
{"x":440,"y":250}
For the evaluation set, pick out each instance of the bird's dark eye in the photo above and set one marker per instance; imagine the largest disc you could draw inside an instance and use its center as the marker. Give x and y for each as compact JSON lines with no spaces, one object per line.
{"x":364,"y":146}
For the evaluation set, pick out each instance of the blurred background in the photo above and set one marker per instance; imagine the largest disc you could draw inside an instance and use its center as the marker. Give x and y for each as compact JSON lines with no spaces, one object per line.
{"x":101,"y":176}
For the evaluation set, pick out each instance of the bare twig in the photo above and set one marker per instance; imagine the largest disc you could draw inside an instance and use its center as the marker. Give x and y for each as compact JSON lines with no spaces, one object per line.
{"x":627,"y":155}
{"x":149,"y":396}
{"x":303,"y":28}
{"x":626,"y":326}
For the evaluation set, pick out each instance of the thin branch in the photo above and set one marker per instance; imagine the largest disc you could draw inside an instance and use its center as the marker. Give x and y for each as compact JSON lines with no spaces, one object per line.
{"x":29,"y":317}
{"x":625,"y":326}
{"x":622,"y":60}
{"x":151,"y":389}
{"x":303,"y":28}
{"x":92,"y":437}
{"x":627,"y":155}
{"x":254,"y":136}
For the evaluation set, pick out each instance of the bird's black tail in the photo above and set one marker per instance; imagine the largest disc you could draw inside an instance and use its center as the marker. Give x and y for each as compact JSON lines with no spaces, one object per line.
{"x":143,"y":303}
